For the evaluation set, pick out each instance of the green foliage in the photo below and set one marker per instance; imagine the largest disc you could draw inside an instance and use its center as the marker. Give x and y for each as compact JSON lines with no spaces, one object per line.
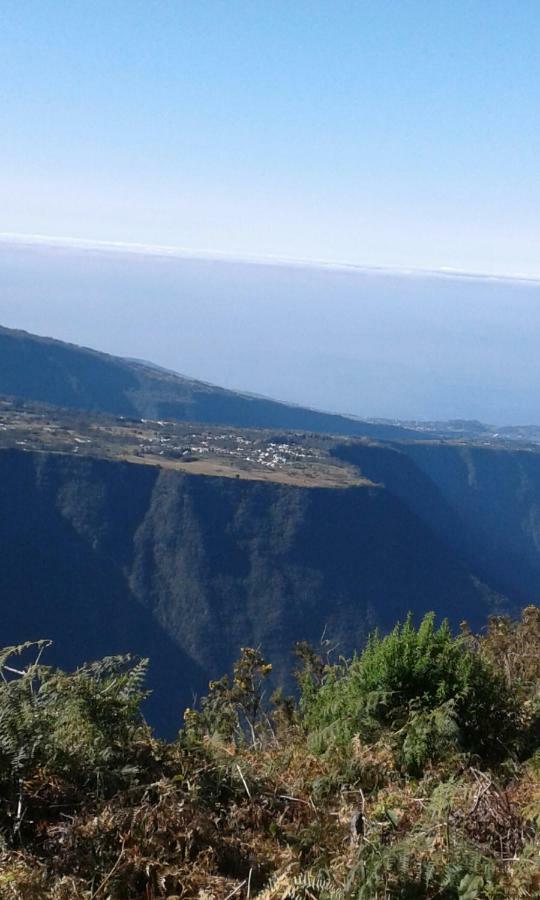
{"x":425,"y":685}
{"x":77,"y":727}
{"x":414,"y":869}
{"x":430,"y":734}
{"x":240,"y":805}
{"x":232,"y":708}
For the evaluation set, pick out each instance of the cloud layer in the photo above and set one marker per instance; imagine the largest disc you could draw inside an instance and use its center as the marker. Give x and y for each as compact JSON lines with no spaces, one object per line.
{"x":175,"y":252}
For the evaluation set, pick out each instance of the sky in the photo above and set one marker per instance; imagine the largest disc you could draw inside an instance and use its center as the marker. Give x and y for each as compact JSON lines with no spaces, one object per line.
{"x":375,"y":132}
{"x":316,"y":171}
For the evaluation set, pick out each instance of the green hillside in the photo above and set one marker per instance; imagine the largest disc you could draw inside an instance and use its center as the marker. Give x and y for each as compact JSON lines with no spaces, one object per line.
{"x":483,"y":502}
{"x":49,"y":371}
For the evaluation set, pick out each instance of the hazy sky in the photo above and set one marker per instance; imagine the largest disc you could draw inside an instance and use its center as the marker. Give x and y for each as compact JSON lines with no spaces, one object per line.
{"x":386,"y":132}
{"x":355,"y":341}
{"x":382,"y":133}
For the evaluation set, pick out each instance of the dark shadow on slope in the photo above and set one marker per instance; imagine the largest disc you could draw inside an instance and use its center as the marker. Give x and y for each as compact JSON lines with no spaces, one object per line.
{"x":494,"y":528}
{"x":225,"y":563}
{"x":63,"y":572}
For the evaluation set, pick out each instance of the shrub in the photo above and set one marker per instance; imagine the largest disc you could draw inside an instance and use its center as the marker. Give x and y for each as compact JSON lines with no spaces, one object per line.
{"x":233,"y":708}
{"x":93,"y":806}
{"x":425,"y":685}
{"x":77,"y":727}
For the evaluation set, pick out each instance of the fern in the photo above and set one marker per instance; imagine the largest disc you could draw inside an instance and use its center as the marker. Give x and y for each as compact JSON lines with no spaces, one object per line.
{"x":425,"y":684}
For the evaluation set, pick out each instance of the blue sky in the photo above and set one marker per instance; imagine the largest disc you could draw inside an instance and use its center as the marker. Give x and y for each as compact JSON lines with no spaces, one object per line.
{"x":388,"y":133}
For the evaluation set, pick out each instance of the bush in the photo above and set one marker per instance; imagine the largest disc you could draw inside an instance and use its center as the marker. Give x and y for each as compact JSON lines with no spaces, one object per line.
{"x":428,"y":687}
{"x":233,"y":708}
{"x":239,"y":806}
{"x":79,"y":728}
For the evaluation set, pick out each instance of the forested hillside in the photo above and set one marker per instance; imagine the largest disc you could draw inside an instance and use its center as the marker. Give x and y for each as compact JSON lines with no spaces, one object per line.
{"x":483,"y":502}
{"x":305,"y":535}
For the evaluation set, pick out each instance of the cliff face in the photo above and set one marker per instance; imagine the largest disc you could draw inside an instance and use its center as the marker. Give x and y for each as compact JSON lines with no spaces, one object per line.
{"x":496,"y":496}
{"x":66,"y":536}
{"x":106,"y":557}
{"x":483,"y":503}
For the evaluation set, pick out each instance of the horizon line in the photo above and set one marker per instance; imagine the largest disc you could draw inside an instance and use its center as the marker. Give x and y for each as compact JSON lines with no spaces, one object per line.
{"x":171,"y":251}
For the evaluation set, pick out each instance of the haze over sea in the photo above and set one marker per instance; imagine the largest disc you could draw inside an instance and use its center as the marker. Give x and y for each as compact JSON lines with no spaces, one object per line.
{"x":352,"y":340}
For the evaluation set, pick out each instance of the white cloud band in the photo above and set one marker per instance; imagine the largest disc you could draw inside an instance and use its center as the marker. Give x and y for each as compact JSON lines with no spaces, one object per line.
{"x":175,"y":252}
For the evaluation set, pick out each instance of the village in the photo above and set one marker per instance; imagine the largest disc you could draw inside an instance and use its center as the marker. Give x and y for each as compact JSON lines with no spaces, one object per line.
{"x":201,"y":449}
{"x":294,"y":457}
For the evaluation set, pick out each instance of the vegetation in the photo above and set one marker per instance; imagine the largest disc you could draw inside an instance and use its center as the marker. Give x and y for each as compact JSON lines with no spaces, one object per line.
{"x":409,"y":771}
{"x":434,"y":693}
{"x":185,"y":569}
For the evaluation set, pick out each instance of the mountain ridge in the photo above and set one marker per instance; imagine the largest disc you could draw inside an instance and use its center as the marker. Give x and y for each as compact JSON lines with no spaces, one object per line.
{"x":44,"y":369}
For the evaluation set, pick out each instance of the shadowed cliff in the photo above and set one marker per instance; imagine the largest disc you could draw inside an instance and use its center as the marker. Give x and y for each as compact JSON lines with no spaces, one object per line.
{"x":484,"y":503}
{"x":107,"y":557}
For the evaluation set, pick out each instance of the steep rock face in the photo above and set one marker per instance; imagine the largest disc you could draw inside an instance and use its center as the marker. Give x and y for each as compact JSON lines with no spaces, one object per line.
{"x":496,"y":494}
{"x":484,"y":503}
{"x":107,"y":557}
{"x":66,"y":536}
{"x":220,"y":561}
